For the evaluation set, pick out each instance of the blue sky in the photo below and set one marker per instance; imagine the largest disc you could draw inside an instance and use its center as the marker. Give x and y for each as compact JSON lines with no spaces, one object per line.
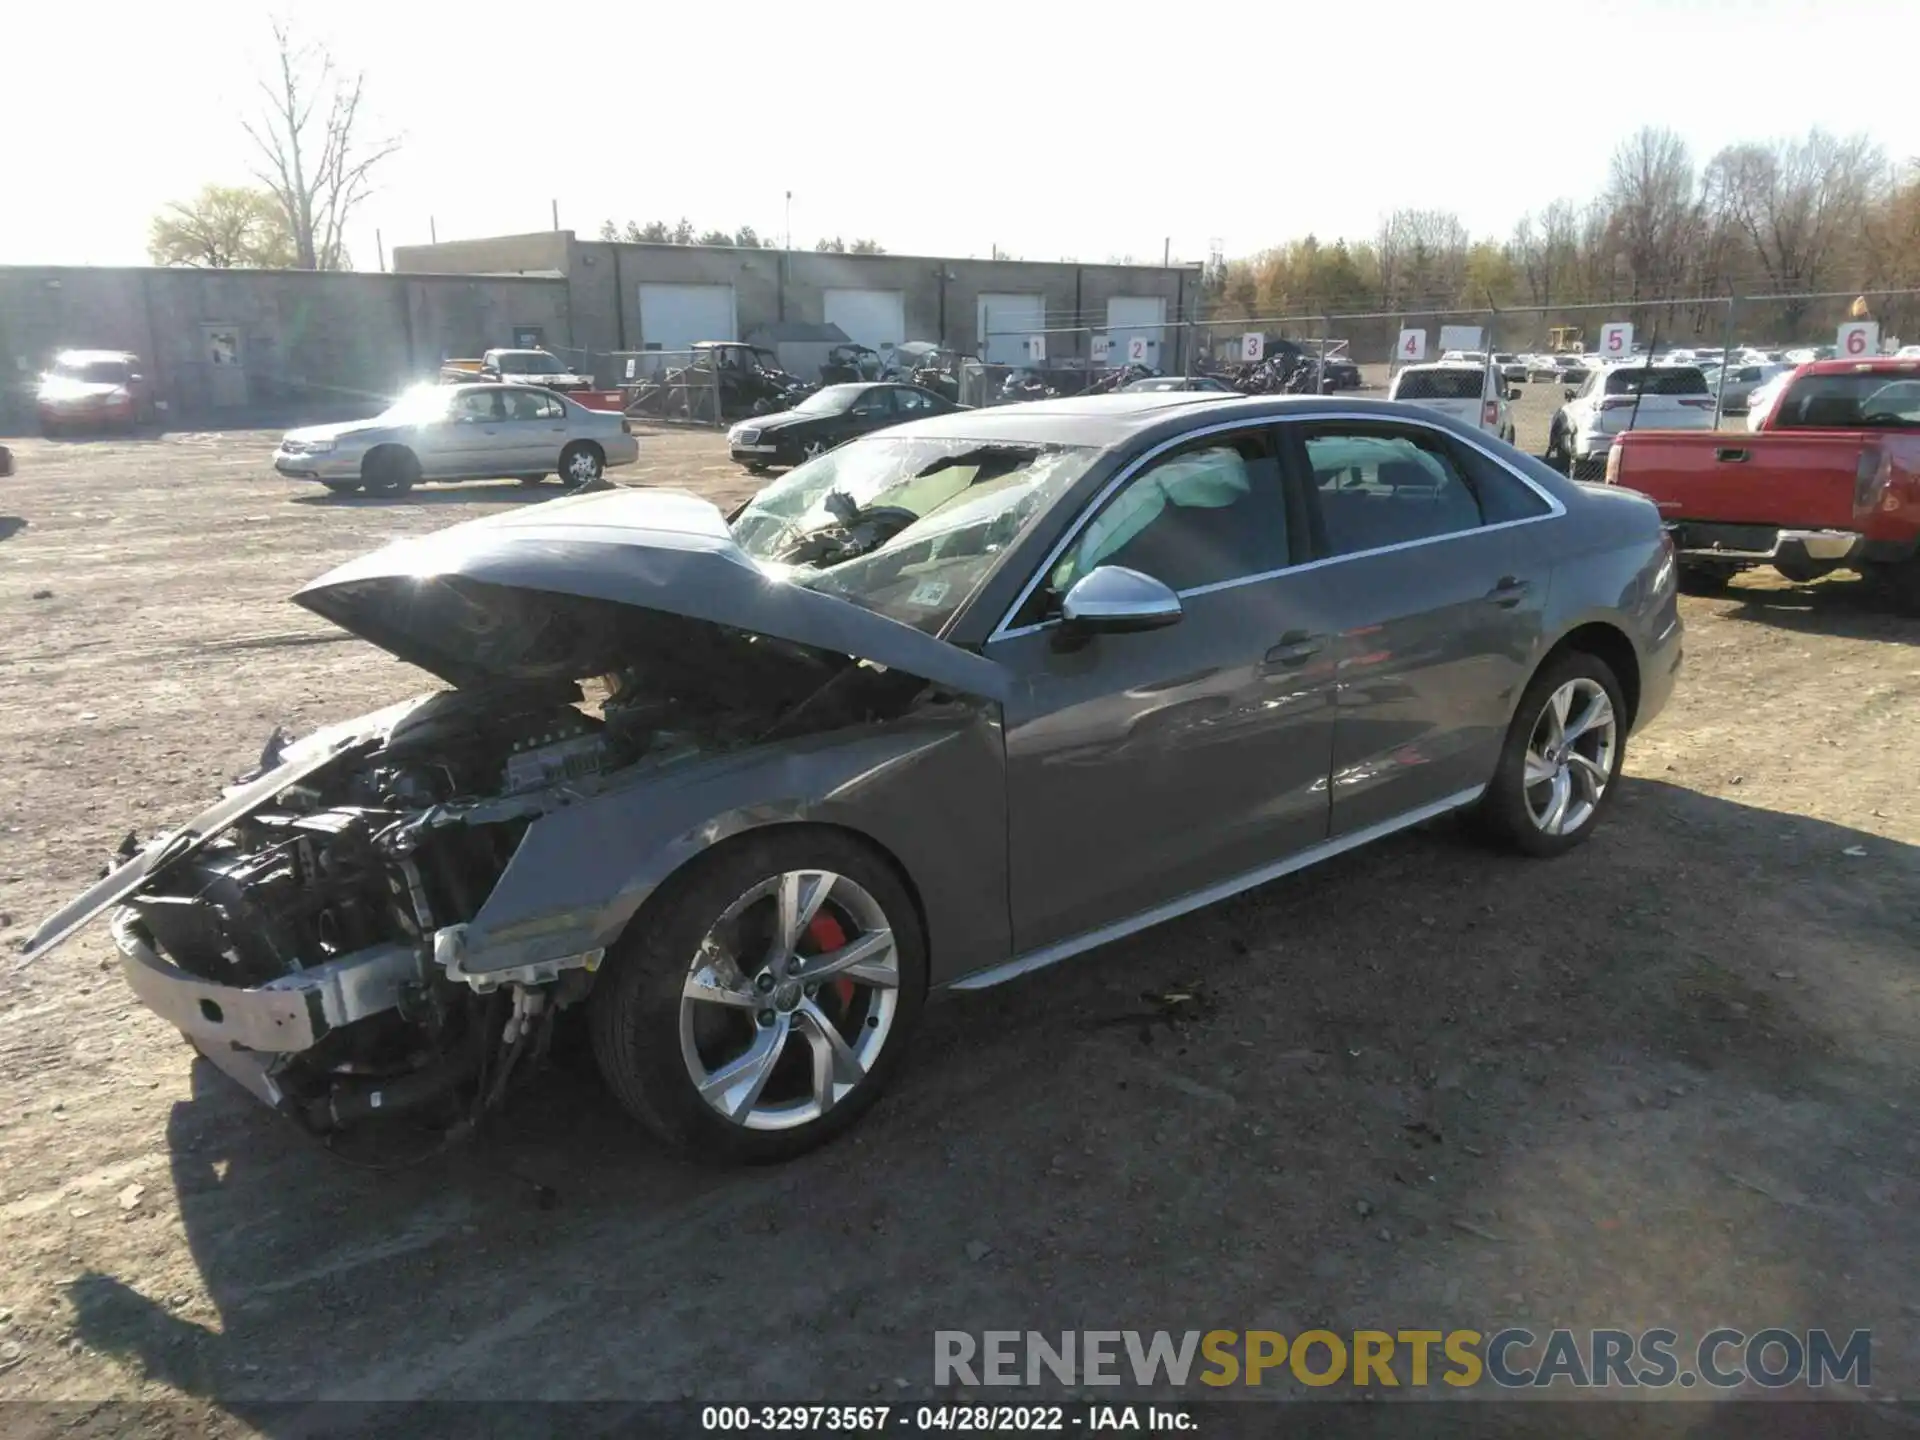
{"x":1048,"y":129}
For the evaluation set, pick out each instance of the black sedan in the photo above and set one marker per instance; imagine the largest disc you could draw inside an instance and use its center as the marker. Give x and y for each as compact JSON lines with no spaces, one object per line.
{"x":940,"y":708}
{"x":828,"y":418}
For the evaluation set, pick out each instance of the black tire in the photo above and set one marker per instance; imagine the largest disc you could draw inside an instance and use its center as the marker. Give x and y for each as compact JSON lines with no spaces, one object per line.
{"x":582,"y":465}
{"x":341,"y":487}
{"x":390,"y":470}
{"x":1559,"y":455}
{"x":1503,"y":814}
{"x":1702,"y":579}
{"x":634,"y":1012}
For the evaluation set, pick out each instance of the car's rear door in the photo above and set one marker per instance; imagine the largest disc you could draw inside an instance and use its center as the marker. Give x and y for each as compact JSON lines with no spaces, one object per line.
{"x":1428,"y":553}
{"x":1144,"y":768}
{"x":872,"y":411}
{"x":467,"y":441}
{"x":533,"y":432}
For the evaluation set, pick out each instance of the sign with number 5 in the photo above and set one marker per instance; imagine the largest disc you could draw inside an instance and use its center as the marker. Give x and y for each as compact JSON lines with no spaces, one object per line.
{"x":1412,"y":346}
{"x":1253,"y":347}
{"x":1858,"y":340}
{"x":1616,"y":340}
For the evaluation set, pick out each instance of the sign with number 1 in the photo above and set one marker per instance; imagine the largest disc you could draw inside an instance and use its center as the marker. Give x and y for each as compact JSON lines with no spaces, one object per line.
{"x":1412,"y":346}
{"x":1102,"y":348}
{"x":1036,"y":348}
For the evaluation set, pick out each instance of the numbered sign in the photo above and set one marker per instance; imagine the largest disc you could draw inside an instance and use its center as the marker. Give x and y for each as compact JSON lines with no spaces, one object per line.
{"x":1459,"y":337}
{"x":1412,"y":346}
{"x":1036,"y":348}
{"x":1253,"y":348}
{"x":1859,"y":339}
{"x":1102,"y":348}
{"x":1137,"y":349}
{"x":1616,"y":340}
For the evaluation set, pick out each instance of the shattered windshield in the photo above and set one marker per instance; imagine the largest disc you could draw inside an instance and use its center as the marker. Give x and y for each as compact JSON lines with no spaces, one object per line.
{"x":905,"y":527}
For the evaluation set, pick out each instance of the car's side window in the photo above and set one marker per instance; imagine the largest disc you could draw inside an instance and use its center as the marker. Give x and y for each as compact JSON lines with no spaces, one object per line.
{"x":1209,"y":512}
{"x":910,"y":402}
{"x":531,"y":405}
{"x":1380,"y":485}
{"x":874,"y":402}
{"x":476,"y":407}
{"x":1503,"y":496}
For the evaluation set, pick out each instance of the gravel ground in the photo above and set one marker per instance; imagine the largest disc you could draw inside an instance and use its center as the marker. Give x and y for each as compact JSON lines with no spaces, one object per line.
{"x":1666,"y":1080}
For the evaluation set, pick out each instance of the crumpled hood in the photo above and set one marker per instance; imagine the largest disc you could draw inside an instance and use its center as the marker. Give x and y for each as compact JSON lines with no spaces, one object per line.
{"x":489,"y":600}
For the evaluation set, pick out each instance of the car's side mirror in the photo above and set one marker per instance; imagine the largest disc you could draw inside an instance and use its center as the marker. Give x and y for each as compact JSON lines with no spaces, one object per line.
{"x":1570,"y":392}
{"x":1114,"y":600}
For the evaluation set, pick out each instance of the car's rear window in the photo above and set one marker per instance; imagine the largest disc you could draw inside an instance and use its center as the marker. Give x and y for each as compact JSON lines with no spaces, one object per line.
{"x":1439,"y":385}
{"x":1850,"y":402}
{"x":1657,"y":380}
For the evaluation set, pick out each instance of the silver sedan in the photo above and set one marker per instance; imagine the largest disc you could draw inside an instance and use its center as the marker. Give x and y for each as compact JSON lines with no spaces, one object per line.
{"x":461,"y":432}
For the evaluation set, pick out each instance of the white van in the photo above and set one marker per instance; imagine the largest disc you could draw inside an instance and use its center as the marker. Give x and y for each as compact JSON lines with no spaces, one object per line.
{"x":1471,"y":394}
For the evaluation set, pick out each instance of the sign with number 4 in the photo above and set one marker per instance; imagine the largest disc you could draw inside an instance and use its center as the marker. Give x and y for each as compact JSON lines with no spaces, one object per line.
{"x":1137,"y":349}
{"x":1253,"y":348}
{"x":1036,"y":348}
{"x":1858,"y":340}
{"x":1616,"y":340}
{"x":1412,"y":346}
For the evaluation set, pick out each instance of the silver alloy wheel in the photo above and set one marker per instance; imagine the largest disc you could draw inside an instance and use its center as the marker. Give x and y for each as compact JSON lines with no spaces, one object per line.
{"x":583,"y":466}
{"x":759,"y":979}
{"x":813,"y":449}
{"x":1570,"y":757}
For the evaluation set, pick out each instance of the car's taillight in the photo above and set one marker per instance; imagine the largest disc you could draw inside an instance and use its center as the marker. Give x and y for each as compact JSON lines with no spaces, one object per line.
{"x":1871,"y":477}
{"x":1613,"y":464}
{"x":1490,"y":413}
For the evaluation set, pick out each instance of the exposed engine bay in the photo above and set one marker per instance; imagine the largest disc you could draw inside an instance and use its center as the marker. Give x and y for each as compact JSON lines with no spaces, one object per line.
{"x":325,"y":902}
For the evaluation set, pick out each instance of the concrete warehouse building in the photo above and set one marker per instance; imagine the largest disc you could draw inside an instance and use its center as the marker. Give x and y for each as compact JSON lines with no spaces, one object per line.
{"x":221,"y":343}
{"x":626,"y":297}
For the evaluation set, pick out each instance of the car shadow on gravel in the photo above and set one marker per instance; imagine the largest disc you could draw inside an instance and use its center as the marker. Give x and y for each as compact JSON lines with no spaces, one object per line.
{"x":481,"y":492}
{"x":11,"y":525}
{"x":1664,"y":1081}
{"x":1850,"y":609}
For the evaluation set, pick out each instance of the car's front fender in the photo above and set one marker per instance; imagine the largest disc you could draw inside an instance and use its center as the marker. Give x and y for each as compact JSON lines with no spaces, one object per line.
{"x":928,"y":789}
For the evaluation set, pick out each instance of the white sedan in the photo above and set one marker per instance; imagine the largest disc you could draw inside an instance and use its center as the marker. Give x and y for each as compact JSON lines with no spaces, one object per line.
{"x":462,"y":432}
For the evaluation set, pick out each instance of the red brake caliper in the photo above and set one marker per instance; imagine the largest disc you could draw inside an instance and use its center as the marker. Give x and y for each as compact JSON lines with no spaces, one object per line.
{"x":826,"y":935}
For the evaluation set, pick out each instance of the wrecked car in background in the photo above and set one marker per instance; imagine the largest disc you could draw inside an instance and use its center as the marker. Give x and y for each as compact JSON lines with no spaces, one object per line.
{"x":946,"y":705}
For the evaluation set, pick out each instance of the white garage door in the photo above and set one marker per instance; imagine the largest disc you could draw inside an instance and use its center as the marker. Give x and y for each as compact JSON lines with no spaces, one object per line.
{"x":1131,"y":317}
{"x":1004,"y":323}
{"x":872,"y":317}
{"x":673,"y":317}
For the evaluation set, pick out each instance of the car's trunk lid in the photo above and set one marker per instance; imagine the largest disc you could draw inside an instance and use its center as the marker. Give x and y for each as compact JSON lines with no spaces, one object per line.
{"x":500,"y":599}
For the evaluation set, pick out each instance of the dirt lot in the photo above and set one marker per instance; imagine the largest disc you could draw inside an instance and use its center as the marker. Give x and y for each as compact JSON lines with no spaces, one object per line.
{"x":1670,"y":1079}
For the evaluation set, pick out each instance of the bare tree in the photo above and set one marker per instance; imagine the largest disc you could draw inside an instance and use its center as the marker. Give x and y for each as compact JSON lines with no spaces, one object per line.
{"x":315,"y":160}
{"x":1655,"y":212}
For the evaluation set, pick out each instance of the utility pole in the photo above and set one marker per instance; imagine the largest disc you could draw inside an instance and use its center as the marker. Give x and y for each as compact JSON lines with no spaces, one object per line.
{"x":556,"y":214}
{"x":1166,"y":252}
{"x":380,"y":244}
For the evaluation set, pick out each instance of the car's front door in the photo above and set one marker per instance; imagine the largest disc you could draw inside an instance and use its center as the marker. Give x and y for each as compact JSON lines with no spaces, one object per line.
{"x":1428,"y":552}
{"x":466,"y":440}
{"x":872,"y":411}
{"x":533,"y":432}
{"x":1144,"y":768}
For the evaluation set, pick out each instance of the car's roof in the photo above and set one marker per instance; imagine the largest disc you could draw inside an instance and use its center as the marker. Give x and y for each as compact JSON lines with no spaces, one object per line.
{"x":1106,"y":420}
{"x":86,"y":357}
{"x":1878,"y":365}
{"x":1467,"y":365}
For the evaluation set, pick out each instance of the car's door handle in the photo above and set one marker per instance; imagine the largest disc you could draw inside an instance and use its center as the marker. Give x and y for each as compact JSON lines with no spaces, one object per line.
{"x":1296,"y":647}
{"x":1730,"y":456}
{"x":1510,"y":591}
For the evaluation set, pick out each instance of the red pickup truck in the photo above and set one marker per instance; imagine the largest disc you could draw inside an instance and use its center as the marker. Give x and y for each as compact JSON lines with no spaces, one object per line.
{"x":1830,"y":480}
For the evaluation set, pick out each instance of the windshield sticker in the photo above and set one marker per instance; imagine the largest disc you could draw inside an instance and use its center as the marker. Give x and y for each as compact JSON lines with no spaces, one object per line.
{"x":929,"y":592}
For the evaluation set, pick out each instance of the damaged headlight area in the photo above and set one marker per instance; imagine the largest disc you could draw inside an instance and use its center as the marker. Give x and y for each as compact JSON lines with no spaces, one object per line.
{"x":298,"y":949}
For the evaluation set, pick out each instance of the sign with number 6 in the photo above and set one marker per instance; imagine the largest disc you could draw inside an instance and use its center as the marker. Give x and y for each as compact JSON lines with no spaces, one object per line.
{"x":1858,"y":340}
{"x":1253,"y":347}
{"x":1412,"y":346}
{"x":1137,"y":349}
{"x":1616,"y":340}
{"x":1036,"y":348}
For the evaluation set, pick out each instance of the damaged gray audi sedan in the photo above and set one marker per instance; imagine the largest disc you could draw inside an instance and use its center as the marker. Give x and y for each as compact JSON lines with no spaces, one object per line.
{"x":938,"y":708}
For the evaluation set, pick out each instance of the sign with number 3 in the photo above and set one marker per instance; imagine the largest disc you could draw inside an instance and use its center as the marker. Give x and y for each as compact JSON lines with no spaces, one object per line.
{"x":1412,"y":346}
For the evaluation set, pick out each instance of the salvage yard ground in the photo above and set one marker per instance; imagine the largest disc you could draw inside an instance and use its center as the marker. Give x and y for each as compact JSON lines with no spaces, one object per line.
{"x":1670,"y":1079}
